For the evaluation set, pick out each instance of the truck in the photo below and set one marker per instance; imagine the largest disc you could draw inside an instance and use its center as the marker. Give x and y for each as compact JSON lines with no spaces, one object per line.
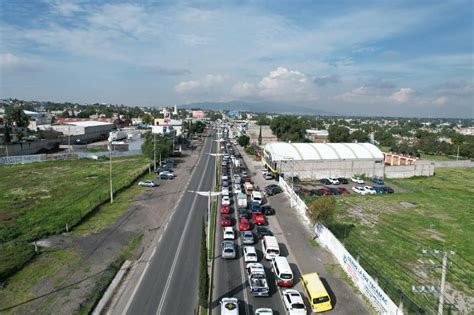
{"x":242,"y":200}
{"x":248,"y":188}
{"x":117,"y":135}
{"x":257,"y":280}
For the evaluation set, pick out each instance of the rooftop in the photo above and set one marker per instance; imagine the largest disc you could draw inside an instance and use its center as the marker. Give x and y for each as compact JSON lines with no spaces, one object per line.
{"x":89,"y":123}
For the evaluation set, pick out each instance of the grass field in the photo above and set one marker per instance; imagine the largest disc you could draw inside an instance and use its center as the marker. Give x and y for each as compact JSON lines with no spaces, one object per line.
{"x":389,"y":232}
{"x":40,"y":199}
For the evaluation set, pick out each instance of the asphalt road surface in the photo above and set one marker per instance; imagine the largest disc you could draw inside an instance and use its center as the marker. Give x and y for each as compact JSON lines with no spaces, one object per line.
{"x":167,"y":283}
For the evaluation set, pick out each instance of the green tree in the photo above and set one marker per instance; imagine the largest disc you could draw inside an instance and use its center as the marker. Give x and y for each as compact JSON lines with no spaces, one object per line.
{"x":338,"y":134}
{"x":359,"y":136}
{"x":243,"y":140}
{"x":7,"y":139}
{"x":164,"y":146}
{"x":203,"y":286}
{"x":260,"y":136}
{"x":147,"y":119}
{"x":322,"y":210}
{"x":15,"y":116}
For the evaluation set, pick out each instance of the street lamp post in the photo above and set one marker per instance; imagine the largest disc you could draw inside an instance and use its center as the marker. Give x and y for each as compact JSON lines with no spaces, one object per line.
{"x":110,"y":173}
{"x":209,"y":194}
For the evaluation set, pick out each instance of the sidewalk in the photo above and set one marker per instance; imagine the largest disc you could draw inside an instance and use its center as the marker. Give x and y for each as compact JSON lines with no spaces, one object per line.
{"x":295,"y":236}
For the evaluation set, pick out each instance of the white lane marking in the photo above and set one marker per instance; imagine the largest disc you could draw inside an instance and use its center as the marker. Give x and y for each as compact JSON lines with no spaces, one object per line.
{"x":139,"y":282}
{"x":180,"y":245}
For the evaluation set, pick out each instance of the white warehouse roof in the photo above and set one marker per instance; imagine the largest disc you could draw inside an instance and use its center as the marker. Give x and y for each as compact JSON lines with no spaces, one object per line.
{"x":322,"y":151}
{"x":88,"y":123}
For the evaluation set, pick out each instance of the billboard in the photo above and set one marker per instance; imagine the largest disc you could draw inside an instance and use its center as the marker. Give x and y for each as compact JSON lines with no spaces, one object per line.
{"x":198,"y":114}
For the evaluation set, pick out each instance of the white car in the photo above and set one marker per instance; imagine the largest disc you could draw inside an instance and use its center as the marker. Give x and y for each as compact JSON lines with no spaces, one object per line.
{"x":334,"y":180}
{"x":357,"y":180}
{"x":228,"y":233}
{"x":250,"y":254}
{"x":360,"y":190}
{"x":370,"y":190}
{"x":225,"y":191}
{"x":293,"y":302}
{"x":225,"y":177}
{"x":268,"y":176}
{"x":229,"y":306}
{"x":225,"y":201}
{"x":147,"y":183}
{"x":263,"y":311}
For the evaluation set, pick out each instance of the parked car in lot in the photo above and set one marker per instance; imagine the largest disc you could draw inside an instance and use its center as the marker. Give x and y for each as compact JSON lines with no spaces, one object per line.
{"x":370,"y":189}
{"x":342,"y":191}
{"x":244,"y":224}
{"x":225,"y":201}
{"x":379,"y":190}
{"x":267,"y":210}
{"x":226,"y":220}
{"x":325,"y":192}
{"x":225,"y":210}
{"x":272,"y":190}
{"x":250,"y":254}
{"x":258,"y":218}
{"x":228,"y":233}
{"x":293,"y":302}
{"x":378,"y":180}
{"x":325,"y":181}
{"x":388,"y":190}
{"x":166,"y":175}
{"x":334,"y":180}
{"x":147,"y":183}
{"x":343,"y":180}
{"x":228,"y":250}
{"x":247,"y":237}
{"x":360,"y":190}
{"x":263,"y":231}
{"x":334,"y":191}
{"x":357,"y":180}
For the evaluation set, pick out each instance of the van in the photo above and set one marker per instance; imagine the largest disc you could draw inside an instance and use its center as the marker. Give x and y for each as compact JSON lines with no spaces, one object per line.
{"x":283,"y":274}
{"x":270,"y":247}
{"x":256,"y":197}
{"x":318,"y":296}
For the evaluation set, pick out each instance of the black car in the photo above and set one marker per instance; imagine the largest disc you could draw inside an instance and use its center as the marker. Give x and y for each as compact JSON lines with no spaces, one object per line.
{"x":267,"y":210}
{"x":334,"y":191}
{"x":325,"y":181}
{"x":263,"y":231}
{"x":343,"y":180}
{"x":388,"y":190}
{"x":244,"y":213}
{"x":271,"y":190}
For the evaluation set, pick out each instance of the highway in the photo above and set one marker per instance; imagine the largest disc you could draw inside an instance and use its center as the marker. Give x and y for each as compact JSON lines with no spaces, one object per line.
{"x":167,"y":280}
{"x":230,"y":279}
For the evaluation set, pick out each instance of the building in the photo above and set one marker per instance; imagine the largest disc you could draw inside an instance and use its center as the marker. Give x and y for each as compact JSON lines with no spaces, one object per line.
{"x":311,"y":161}
{"x":253,"y":131}
{"x":198,"y":114}
{"x":317,"y":136}
{"x":86,"y":131}
{"x":164,"y":130}
{"x":176,"y":124}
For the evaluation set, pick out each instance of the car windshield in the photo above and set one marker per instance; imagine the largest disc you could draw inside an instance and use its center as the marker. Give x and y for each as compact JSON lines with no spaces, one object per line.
{"x":298,"y":305}
{"x":321,"y":299}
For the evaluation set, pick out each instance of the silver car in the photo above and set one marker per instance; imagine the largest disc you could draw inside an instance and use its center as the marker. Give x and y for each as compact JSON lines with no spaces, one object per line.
{"x":228,"y":250}
{"x":247,"y":237}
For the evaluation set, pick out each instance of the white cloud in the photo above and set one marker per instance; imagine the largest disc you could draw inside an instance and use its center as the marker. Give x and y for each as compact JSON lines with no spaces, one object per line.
{"x":243,"y":89}
{"x":11,"y":62}
{"x":441,"y":101}
{"x":207,"y":82}
{"x":66,"y":8}
{"x":403,"y":95}
{"x":286,"y":84}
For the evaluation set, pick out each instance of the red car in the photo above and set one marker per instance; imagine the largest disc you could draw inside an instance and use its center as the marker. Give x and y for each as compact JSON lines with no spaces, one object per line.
{"x":342,"y":191}
{"x":226,"y":220}
{"x":225,"y":210}
{"x":247,"y":180}
{"x":244,"y":225}
{"x":325,"y":192}
{"x":258,"y":219}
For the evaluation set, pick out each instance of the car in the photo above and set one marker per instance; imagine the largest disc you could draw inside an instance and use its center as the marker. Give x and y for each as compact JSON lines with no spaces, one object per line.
{"x":357,"y":180}
{"x":224,"y":176}
{"x":342,"y":191}
{"x":166,"y":175}
{"x":228,"y":250}
{"x":228,"y":233}
{"x":226,"y":220}
{"x":325,"y":181}
{"x":225,"y":191}
{"x":312,"y":192}
{"x":257,"y":279}
{"x":343,"y":180}
{"x":360,"y":190}
{"x":255,"y":208}
{"x":334,"y":191}
{"x":370,"y":189}
{"x":268,"y":176}
{"x":147,"y":183}
{"x":263,"y":311}
{"x":293,"y":302}
{"x":225,"y":201}
{"x":247,"y":237}
{"x":379,"y":190}
{"x":244,"y":224}
{"x":244,"y":213}
{"x":225,"y":184}
{"x":378,"y":180}
{"x":272,"y":190}
{"x":263,"y":231}
{"x":250,"y":254}
{"x":258,"y":218}
{"x":388,"y":190}
{"x":325,"y":192}
{"x":334,"y":180}
{"x":229,"y":306}
{"x":267,"y":210}
{"x":264,"y":170}
{"x":225,"y":210}
{"x":244,"y":173}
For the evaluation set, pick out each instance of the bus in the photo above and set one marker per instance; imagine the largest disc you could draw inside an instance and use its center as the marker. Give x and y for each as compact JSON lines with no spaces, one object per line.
{"x":318,"y":296}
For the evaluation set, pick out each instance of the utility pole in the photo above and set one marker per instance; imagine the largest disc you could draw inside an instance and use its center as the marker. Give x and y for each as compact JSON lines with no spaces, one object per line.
{"x":110,"y":174}
{"x":69,"y":139}
{"x":443,"y":281}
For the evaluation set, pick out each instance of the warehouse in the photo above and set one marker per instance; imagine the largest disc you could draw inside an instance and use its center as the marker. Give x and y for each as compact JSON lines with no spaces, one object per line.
{"x":86,"y":131}
{"x":319,"y":160}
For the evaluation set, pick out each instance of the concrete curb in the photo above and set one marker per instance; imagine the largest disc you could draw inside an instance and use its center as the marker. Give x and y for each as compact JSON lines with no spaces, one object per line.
{"x":104,"y":301}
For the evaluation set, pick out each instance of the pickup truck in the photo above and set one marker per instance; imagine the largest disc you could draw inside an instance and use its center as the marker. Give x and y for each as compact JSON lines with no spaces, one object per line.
{"x":257,"y":279}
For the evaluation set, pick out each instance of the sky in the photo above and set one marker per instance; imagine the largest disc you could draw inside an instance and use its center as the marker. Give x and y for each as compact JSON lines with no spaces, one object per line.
{"x":392,"y":58}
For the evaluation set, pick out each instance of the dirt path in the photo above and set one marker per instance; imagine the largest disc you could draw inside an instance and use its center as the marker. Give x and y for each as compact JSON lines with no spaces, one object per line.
{"x":78,"y":278}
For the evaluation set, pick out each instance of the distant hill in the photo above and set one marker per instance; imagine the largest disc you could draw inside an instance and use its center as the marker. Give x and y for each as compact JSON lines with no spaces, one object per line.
{"x":257,"y":107}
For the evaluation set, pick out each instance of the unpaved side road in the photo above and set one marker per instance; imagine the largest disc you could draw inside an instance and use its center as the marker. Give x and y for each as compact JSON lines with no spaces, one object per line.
{"x":73,"y":285}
